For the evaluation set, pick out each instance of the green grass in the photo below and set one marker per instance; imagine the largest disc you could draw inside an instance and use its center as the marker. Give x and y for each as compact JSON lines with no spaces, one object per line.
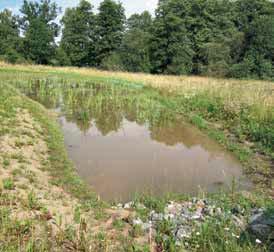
{"x":6,"y":162}
{"x":231,"y":127}
{"x":8,"y":184}
{"x":60,"y":168}
{"x":215,"y":233}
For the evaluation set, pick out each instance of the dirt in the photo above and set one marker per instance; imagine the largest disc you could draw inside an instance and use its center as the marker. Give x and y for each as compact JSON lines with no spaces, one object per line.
{"x":23,"y":158}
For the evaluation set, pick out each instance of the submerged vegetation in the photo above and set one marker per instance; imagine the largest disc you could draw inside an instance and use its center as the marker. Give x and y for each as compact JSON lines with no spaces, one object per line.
{"x":238,"y":114}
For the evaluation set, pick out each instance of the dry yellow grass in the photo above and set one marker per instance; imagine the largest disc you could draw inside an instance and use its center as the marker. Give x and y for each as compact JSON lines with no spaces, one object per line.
{"x":234,"y":92}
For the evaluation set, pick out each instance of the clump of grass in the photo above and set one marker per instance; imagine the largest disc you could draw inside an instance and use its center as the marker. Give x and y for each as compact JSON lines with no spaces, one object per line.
{"x":136,"y":231}
{"x":31,"y":176}
{"x":77,"y":214}
{"x":101,"y":241}
{"x":33,"y":203}
{"x":199,"y":122}
{"x":118,"y":224}
{"x":6,"y":163}
{"x":17,"y":172}
{"x":19,"y":157}
{"x":19,"y":143}
{"x":100,"y":214}
{"x":8,"y":184}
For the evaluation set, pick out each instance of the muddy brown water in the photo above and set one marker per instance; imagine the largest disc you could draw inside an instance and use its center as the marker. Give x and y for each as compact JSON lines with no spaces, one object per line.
{"x":132,"y":159}
{"x":120,"y":149}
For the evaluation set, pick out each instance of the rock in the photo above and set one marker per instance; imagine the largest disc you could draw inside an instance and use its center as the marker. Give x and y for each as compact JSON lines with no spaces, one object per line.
{"x":169,"y":216}
{"x":219,"y":211}
{"x":210,"y":210}
{"x":198,"y":214}
{"x":261,"y":225}
{"x":183,"y":232}
{"x":146,"y":226}
{"x":137,"y":221}
{"x":239,"y":222}
{"x":236,"y":210}
{"x":173,"y":208}
{"x":140,"y":206}
{"x":186,"y":213}
{"x":200,"y":204}
{"x":119,"y":206}
{"x":128,"y":205}
{"x":155,"y":217}
{"x":196,"y":217}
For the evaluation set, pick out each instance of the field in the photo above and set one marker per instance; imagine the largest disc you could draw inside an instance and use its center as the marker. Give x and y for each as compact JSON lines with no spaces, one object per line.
{"x":239,"y":114}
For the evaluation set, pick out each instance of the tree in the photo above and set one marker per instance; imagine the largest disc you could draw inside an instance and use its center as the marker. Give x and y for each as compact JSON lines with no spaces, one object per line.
{"x":39,"y":30}
{"x":60,"y":58}
{"x":78,"y":37}
{"x":110,"y":27}
{"x":214,"y":36}
{"x":256,"y":20}
{"x":9,"y":37}
{"x":141,"y":21}
{"x":171,"y":49}
{"x":135,"y":45}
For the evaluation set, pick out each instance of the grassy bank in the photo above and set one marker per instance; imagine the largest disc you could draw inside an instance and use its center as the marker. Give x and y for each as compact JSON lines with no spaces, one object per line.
{"x":238,"y":114}
{"x":44,"y":205}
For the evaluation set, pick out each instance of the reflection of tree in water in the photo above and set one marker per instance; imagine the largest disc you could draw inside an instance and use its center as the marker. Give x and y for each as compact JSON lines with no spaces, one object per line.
{"x":108,"y":116}
{"x":76,"y":107}
{"x":173,"y":132}
{"x":108,"y":105}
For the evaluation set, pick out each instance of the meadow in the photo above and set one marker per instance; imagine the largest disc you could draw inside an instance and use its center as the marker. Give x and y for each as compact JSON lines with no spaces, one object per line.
{"x":238,"y":114}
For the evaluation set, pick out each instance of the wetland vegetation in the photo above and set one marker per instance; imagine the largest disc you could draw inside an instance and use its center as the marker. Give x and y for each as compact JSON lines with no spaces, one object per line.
{"x":45,"y":205}
{"x":171,"y":161}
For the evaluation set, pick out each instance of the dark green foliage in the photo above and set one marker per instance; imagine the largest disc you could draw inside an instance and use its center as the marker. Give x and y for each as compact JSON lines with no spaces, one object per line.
{"x":113,"y":62}
{"x":109,"y":31}
{"x":61,"y":58}
{"x":39,"y":30}
{"x":135,"y":45}
{"x":218,"y":38}
{"x":78,"y":35}
{"x":256,"y":21}
{"x":171,"y":48}
{"x":9,"y":37}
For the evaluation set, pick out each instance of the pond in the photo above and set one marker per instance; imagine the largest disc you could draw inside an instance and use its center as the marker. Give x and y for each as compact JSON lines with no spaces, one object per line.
{"x":123,"y":140}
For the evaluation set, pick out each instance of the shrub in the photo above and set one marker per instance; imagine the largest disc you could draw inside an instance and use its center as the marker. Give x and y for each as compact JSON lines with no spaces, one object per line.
{"x":112,"y":62}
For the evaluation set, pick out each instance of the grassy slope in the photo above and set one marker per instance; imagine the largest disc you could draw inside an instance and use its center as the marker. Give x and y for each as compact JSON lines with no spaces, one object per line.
{"x":193,"y":108}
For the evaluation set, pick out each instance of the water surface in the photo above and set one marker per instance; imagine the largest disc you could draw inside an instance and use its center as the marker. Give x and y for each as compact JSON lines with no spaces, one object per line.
{"x":123,"y":141}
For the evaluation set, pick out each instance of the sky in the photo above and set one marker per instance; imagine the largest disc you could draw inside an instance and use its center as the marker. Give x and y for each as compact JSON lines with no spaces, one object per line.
{"x":131,"y":6}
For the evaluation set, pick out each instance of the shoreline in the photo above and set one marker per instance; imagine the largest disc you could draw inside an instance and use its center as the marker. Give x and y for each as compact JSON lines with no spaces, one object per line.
{"x":87,"y":210}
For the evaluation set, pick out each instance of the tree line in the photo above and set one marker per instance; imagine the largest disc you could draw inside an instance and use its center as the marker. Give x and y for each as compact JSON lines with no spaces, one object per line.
{"x":223,"y":38}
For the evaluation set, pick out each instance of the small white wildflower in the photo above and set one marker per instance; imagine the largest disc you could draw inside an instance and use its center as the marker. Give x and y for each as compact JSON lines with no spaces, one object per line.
{"x":197,"y":233}
{"x":258,"y":241}
{"x":226,"y":229}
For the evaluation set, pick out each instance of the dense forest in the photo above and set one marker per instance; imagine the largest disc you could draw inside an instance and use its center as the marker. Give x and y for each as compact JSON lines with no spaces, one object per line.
{"x":222,"y":38}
